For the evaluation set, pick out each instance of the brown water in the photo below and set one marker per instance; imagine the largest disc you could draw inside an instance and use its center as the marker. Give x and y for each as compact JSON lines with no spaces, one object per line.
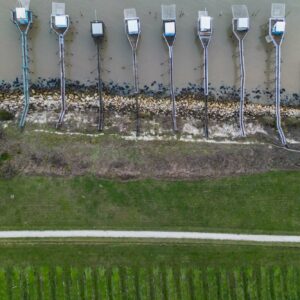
{"x":152,"y":56}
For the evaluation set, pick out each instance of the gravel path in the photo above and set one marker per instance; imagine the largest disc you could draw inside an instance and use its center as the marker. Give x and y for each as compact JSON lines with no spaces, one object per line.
{"x":150,"y":235}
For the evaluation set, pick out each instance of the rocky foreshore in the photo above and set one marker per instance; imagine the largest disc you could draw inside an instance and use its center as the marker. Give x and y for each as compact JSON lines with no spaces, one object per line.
{"x":187,"y":106}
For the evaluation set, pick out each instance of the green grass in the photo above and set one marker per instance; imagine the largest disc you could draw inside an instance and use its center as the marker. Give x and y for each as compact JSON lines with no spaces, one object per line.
{"x":258,"y":203}
{"x":80,"y":253}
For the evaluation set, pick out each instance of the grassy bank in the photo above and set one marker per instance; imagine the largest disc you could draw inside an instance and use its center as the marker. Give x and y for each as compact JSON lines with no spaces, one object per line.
{"x":258,"y":203}
{"x":60,"y":153}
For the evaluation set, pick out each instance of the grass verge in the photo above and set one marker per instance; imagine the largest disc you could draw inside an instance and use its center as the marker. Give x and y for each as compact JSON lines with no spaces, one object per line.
{"x":265,"y":203}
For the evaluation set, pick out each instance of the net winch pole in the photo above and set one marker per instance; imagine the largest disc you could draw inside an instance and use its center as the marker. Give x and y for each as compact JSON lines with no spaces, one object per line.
{"x":97,"y":32}
{"x":240,"y":37}
{"x":205,"y":34}
{"x":240,"y":28}
{"x":136,"y":89}
{"x":25,"y":66}
{"x":277,"y":42}
{"x":278,"y":93}
{"x":205,"y":54}
{"x":100,"y":89}
{"x":135,"y":71}
{"x":61,"y":31}
{"x":168,"y":14}
{"x":62,"y":79}
{"x":25,"y":70}
{"x":242,"y":91}
{"x":133,"y":38}
{"x":205,"y":58}
{"x":172,"y":92}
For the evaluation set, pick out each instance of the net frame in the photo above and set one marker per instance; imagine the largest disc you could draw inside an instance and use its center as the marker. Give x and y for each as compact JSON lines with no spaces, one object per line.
{"x":130,"y":13}
{"x":202,"y":13}
{"x":239,"y":11}
{"x":278,"y":10}
{"x":168,"y":12}
{"x":58,"y":9}
{"x":23,"y":3}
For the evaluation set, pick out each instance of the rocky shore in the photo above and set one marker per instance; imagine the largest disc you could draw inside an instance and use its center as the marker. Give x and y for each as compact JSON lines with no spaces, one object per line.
{"x":77,"y":148}
{"x":187,"y":106}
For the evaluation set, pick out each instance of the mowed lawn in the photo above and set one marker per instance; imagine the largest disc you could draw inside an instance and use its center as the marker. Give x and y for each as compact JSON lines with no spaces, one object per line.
{"x":129,"y":253}
{"x":265,"y":203}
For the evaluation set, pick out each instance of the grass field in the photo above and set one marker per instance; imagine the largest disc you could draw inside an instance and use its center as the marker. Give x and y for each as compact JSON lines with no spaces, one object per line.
{"x":267,"y":203}
{"x":105,"y":270}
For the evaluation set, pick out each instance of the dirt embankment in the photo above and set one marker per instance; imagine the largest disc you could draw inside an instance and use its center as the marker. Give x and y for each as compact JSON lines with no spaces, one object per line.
{"x":47,"y":153}
{"x":40,"y":150}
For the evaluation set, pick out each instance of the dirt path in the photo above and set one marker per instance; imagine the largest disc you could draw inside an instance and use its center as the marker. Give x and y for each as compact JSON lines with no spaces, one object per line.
{"x":151,"y":235}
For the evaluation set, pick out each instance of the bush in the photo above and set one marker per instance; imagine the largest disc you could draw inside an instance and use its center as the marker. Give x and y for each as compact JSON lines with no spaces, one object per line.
{"x":6,"y":115}
{"x":1,"y":133}
{"x":292,"y":122}
{"x":4,"y":156}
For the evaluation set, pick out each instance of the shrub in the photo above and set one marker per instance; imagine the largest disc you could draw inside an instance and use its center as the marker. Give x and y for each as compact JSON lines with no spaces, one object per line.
{"x":6,"y":115}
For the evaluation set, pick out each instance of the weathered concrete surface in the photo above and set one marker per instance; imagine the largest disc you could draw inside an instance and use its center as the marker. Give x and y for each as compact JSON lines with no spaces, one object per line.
{"x":116,"y":52}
